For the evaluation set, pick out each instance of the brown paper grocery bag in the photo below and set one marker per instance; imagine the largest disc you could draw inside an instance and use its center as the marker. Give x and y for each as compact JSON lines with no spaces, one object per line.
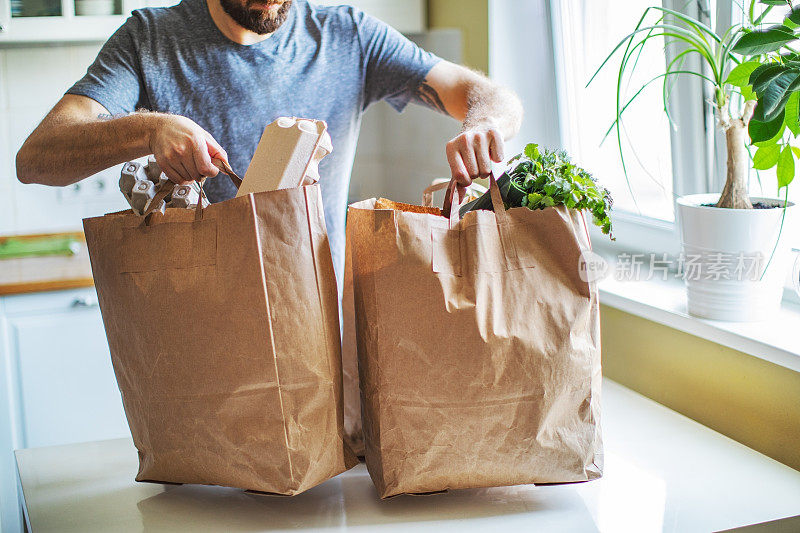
{"x":352,"y":396}
{"x":478,"y":347}
{"x":223,"y":329}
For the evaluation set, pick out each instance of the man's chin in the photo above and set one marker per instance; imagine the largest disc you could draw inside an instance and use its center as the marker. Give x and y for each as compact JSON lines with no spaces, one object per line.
{"x":261,"y":17}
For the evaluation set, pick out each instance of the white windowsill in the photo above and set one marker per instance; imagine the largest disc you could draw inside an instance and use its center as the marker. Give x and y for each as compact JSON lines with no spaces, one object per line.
{"x":775,"y":340}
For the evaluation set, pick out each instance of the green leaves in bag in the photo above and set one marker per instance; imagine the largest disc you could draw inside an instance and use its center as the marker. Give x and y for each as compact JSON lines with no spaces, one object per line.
{"x":544,"y":178}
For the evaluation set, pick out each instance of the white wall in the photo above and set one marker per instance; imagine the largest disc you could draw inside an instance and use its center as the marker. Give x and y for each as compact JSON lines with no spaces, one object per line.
{"x":528,"y":69}
{"x":399,"y":155}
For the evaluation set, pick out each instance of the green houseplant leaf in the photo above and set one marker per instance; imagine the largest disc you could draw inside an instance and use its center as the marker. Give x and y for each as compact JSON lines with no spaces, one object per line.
{"x":766,"y":157}
{"x":772,"y":140}
{"x":764,"y":41}
{"x":763,"y":75}
{"x":794,"y":15}
{"x":777,"y":93}
{"x":762,"y":131}
{"x":740,"y":75}
{"x":792,"y":112}
{"x":785,"y":170}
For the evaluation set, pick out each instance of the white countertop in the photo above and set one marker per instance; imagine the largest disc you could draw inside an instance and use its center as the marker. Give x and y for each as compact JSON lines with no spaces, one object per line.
{"x":664,"y":472}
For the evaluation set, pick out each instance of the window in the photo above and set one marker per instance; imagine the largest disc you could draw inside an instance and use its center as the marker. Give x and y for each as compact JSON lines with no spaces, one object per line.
{"x":663,"y":162}
{"x":591,"y":29}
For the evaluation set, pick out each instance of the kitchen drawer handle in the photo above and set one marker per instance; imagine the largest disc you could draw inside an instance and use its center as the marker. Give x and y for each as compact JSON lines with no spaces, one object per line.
{"x":84,"y":302}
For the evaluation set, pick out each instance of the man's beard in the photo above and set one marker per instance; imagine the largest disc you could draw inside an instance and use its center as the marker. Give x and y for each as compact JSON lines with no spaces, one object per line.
{"x":256,"y":20}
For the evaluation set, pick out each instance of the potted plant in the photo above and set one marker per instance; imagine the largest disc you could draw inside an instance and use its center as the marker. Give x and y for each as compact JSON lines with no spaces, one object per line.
{"x":736,"y":245}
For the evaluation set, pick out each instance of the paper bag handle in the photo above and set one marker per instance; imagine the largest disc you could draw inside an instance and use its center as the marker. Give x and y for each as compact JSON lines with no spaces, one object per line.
{"x":226,"y":168}
{"x":494,"y":192}
{"x":436,"y":185}
{"x":442,"y":183}
{"x":449,"y":208}
{"x":165,"y":190}
{"x":497,"y":201}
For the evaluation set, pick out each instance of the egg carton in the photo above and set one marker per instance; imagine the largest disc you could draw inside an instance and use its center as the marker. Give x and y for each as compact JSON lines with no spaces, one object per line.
{"x":139,"y":184}
{"x":288,"y":155}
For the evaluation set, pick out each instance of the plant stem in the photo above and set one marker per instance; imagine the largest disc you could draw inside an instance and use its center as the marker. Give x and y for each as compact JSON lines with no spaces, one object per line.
{"x":735,"y":194}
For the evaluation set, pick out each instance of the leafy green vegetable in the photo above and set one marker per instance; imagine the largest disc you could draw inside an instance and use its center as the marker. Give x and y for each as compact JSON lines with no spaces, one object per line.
{"x":543,"y":178}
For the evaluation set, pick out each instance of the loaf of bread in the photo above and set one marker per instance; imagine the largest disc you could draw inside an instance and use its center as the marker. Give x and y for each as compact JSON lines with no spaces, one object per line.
{"x":383,"y":203}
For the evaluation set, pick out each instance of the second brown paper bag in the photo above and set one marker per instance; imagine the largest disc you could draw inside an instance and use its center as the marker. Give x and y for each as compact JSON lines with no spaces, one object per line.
{"x":478,"y":347}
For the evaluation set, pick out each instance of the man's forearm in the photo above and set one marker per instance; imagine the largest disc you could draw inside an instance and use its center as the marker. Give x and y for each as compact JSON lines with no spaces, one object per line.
{"x":492,"y":105}
{"x":470,"y":97}
{"x":65,"y":149}
{"x":490,"y":114}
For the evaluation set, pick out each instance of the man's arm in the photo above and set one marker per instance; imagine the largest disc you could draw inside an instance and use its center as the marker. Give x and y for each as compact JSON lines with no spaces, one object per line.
{"x":74,"y":142}
{"x":490,"y":114}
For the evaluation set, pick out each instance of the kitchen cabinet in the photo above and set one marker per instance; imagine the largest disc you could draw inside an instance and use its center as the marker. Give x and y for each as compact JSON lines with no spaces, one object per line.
{"x":407,"y":16}
{"x":58,"y":382}
{"x":47,"y":21}
{"x":43,"y":21}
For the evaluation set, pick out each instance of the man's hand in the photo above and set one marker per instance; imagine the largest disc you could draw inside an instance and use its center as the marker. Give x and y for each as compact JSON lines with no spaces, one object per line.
{"x":74,"y":142}
{"x":183,"y":149}
{"x":490,"y":114}
{"x":471,"y":153}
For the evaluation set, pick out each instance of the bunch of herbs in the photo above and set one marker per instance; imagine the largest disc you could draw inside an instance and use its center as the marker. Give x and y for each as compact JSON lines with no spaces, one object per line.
{"x":543,"y":178}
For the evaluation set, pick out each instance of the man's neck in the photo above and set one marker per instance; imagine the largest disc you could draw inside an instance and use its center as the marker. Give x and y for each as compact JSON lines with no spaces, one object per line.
{"x":231,"y":29}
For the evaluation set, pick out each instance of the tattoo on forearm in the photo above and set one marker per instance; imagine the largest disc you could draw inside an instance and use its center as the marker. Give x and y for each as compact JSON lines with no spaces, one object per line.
{"x":428,"y":96}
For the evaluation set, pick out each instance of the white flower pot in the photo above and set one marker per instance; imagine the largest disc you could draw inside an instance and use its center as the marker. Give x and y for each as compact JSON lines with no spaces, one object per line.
{"x":728,"y":251}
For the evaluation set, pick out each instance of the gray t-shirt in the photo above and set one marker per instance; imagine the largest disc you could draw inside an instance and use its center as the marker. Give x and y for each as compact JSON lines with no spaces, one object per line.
{"x":325,"y":63}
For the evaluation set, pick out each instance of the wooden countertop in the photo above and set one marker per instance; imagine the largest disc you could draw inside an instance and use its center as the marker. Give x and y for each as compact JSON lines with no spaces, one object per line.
{"x":48,"y":273}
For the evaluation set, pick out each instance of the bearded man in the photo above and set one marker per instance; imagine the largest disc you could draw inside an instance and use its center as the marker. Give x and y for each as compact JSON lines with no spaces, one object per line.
{"x":184,"y":81}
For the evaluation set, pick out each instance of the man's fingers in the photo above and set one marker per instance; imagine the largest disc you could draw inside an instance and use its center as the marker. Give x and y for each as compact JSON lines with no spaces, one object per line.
{"x":202,"y":160}
{"x":467,"y":151}
{"x":188,"y":169}
{"x":214,"y":149}
{"x":457,"y":168}
{"x":172,"y":174}
{"x":462,"y":192}
{"x":482,"y":155}
{"x":496,"y":146}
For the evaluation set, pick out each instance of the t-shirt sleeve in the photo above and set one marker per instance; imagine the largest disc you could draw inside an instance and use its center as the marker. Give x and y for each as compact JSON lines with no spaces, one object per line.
{"x":395,"y":66}
{"x":114,"y":79}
